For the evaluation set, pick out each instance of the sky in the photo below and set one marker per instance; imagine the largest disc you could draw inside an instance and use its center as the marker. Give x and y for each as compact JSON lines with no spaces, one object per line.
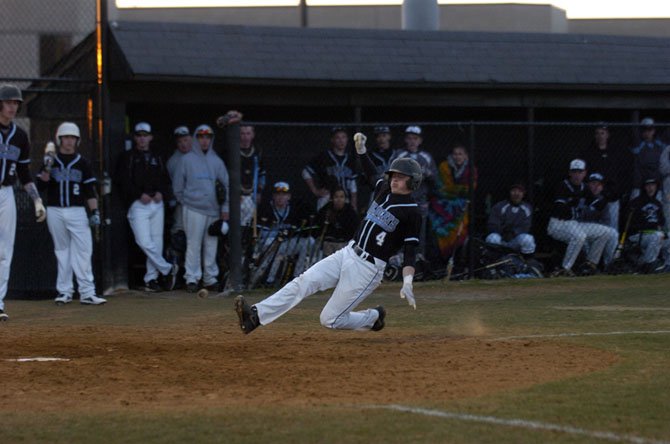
{"x":575,"y":9}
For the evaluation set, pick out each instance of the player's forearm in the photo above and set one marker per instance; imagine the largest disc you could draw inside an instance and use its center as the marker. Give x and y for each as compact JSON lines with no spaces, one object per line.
{"x":31,"y":190}
{"x":92,"y":203}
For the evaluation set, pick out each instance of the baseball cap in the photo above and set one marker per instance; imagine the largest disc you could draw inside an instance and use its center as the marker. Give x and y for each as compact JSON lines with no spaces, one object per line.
{"x":577,"y":164}
{"x":204,"y":130}
{"x":596,"y":176}
{"x":519,"y":187}
{"x":181,"y":131}
{"x":143,"y":127}
{"x":650,"y":180}
{"x":382,"y":129}
{"x":647,"y":122}
{"x":281,"y":187}
{"x":413,"y":130}
{"x":337,"y":129}
{"x":601,"y":125}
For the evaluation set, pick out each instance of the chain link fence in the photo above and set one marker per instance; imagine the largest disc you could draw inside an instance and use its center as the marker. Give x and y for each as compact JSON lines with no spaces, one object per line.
{"x":536,"y":156}
{"x":36,"y":35}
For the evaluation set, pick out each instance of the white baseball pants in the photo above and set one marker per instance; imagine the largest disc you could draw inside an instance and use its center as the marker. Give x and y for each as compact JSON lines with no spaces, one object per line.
{"x":247,"y":206}
{"x":73,"y":245}
{"x":353,"y":278}
{"x":525,"y":243}
{"x":652,"y":244}
{"x":200,"y":261}
{"x":147,"y":224}
{"x":576,"y":234}
{"x":7,"y":235}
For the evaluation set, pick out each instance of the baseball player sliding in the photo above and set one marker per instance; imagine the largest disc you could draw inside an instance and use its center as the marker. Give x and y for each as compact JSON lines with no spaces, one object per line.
{"x":69,"y":183}
{"x":392,"y":221}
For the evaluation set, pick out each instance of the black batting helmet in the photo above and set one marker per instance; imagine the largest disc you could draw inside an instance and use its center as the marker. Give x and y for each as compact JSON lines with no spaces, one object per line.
{"x":10,"y":92}
{"x":408,"y":167}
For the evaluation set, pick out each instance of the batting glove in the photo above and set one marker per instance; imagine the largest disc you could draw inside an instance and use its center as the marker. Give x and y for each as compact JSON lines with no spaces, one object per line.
{"x":359,"y":141}
{"x":40,"y":211}
{"x":94,"y":220}
{"x":407,"y":292}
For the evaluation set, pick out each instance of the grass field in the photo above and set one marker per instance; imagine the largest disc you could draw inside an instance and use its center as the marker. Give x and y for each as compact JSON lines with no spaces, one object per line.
{"x":528,"y":361}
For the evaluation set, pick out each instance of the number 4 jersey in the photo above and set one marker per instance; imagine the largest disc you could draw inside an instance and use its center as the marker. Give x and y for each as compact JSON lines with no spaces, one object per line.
{"x":392,"y":221}
{"x":71,"y":183}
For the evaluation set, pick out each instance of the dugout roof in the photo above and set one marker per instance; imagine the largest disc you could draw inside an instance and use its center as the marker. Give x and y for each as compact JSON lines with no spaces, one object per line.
{"x":273,"y":55}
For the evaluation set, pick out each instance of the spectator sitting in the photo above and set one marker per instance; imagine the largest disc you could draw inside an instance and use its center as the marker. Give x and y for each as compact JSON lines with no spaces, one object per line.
{"x":646,"y":228}
{"x":592,"y":213}
{"x":339,"y":220}
{"x":510,"y":221}
{"x":565,"y":226}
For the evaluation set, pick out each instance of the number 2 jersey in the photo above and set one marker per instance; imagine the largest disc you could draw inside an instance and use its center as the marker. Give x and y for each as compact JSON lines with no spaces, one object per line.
{"x":71,"y":182}
{"x":14,"y":155}
{"x":391,"y":223}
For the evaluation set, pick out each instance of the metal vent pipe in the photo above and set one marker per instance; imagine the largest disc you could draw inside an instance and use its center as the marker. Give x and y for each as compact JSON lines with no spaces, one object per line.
{"x":420,"y":15}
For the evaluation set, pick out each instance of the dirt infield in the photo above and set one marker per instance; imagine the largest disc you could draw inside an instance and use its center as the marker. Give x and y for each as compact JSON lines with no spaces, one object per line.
{"x":201,"y":364}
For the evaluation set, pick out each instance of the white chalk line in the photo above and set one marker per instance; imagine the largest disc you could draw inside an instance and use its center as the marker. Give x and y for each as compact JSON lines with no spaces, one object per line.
{"x":571,"y":335}
{"x":37,"y":359}
{"x":522,"y":423}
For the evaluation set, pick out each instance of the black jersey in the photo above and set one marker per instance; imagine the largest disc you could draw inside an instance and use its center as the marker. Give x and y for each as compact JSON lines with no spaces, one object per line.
{"x":15,"y":155}
{"x":647,"y":214}
{"x":142,"y":172}
{"x":569,"y":200}
{"x":330,"y":170}
{"x":251,"y":162}
{"x":271,"y":217}
{"x":393,"y":220}
{"x":71,"y":182}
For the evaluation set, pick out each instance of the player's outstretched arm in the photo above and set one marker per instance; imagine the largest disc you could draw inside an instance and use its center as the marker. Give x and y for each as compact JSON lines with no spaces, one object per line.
{"x":407,"y":291}
{"x":369,"y":168}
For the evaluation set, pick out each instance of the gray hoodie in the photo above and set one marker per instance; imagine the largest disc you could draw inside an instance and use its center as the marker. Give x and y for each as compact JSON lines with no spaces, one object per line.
{"x":194,"y":182}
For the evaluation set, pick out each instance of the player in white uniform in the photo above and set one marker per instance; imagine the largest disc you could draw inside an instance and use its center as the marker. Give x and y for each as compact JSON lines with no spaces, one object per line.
{"x":14,"y":163}
{"x":70,"y":185}
{"x":392,"y":222}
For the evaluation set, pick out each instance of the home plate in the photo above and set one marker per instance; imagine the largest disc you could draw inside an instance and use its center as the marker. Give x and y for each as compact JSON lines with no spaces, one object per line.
{"x":37,"y":359}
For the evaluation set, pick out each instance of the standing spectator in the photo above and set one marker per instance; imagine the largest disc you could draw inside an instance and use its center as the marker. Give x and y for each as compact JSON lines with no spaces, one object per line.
{"x":664,"y":170}
{"x":15,"y":153}
{"x":144,"y":182}
{"x":339,"y":220}
{"x":332,"y":167}
{"x":413,"y":141}
{"x":382,"y":154}
{"x":569,"y":203}
{"x":252,"y":174}
{"x":70,"y":186}
{"x":646,"y":228}
{"x":195,"y":189}
{"x":646,"y":156}
{"x":183,"y":141}
{"x":613,"y":165}
{"x":510,"y":221}
{"x":449,"y":204}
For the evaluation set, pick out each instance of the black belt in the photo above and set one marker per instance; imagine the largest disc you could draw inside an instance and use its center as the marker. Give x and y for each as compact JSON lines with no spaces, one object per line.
{"x":363,"y":254}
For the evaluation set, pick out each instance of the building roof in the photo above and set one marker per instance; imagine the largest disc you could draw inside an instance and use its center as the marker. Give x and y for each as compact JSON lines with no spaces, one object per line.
{"x":408,"y":58}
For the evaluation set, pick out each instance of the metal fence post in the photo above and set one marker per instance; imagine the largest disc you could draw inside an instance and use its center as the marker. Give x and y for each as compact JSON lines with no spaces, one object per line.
{"x":234,"y":177}
{"x":471,"y":206}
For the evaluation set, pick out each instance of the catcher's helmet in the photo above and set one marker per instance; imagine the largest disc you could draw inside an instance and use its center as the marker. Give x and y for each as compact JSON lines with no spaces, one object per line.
{"x":408,"y":167}
{"x":10,"y":92}
{"x":67,"y":129}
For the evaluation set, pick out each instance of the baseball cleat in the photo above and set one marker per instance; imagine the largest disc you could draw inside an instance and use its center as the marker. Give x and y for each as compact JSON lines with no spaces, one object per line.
{"x":379,"y":323}
{"x":152,"y":286}
{"x":247,"y":315}
{"x":3,"y":316}
{"x":92,"y":300}
{"x":63,"y":299}
{"x":191,"y":287}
